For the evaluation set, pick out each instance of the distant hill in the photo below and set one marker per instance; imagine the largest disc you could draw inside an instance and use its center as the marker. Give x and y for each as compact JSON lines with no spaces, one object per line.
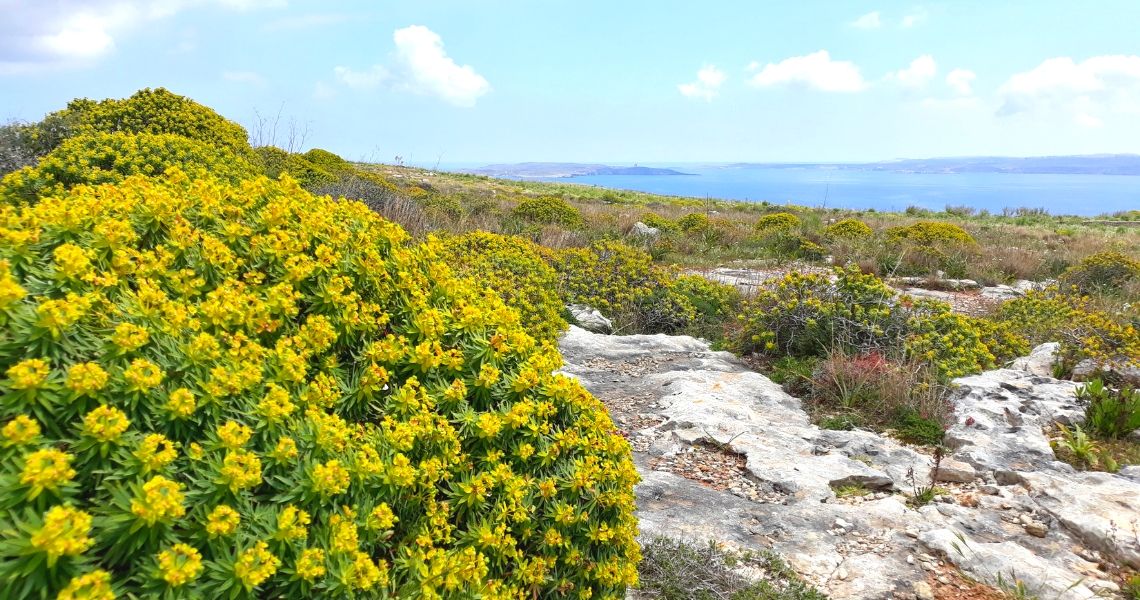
{"x":552,"y":169}
{"x":1089,"y":164}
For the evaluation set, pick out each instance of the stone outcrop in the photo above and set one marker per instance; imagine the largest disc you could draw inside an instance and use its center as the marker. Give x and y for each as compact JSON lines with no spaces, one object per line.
{"x":726,"y":454}
{"x":590,"y":319}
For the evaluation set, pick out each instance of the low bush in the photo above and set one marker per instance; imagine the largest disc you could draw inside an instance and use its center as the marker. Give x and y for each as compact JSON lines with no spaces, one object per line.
{"x":608,"y":275}
{"x":152,"y":111}
{"x":1084,"y":332}
{"x":848,"y":229}
{"x":514,"y":268}
{"x":548,"y":210}
{"x":112,"y":157}
{"x":810,"y":315}
{"x":218,"y":391}
{"x":1103,"y":272}
{"x":662,"y":223}
{"x":693,"y":222}
{"x":932,"y":233}
{"x":774,"y":222}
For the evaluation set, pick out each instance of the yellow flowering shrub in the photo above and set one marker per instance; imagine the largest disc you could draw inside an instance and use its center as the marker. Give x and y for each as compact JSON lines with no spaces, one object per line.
{"x":1101,"y":272}
{"x":608,"y":275}
{"x":111,"y":157}
{"x":234,"y":391}
{"x":812,"y":315}
{"x":848,"y":229}
{"x":926,"y":247}
{"x":694,"y":222}
{"x":513,"y":267}
{"x":659,"y":222}
{"x":157,"y":112}
{"x":930,"y":233}
{"x":1083,"y":331}
{"x":780,"y":221}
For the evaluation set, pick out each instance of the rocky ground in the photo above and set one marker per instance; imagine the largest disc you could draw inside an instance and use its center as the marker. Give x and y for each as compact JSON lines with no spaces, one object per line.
{"x":727,"y":455}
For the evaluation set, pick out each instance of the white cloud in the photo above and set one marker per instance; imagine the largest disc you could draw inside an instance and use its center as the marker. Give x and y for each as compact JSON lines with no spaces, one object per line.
{"x":369,"y":78}
{"x":816,"y":70}
{"x":421,"y":66}
{"x":248,"y":77}
{"x":870,"y":20}
{"x":952,"y":104}
{"x":919,"y":73}
{"x":37,"y":35}
{"x":431,"y":71}
{"x":707,"y":85}
{"x":915,"y":18}
{"x":1085,"y":90}
{"x":961,"y":81}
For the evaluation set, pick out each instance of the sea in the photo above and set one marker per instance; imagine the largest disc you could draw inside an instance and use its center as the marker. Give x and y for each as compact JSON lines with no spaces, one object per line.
{"x":1086,"y":195}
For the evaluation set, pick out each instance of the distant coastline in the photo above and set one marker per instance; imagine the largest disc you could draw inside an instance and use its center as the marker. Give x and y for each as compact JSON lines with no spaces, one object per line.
{"x":545,"y":170}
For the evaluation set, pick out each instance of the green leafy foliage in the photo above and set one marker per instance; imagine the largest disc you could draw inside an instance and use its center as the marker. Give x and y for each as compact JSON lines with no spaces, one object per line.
{"x":781,"y":221}
{"x":1110,"y":414}
{"x":680,"y":570}
{"x":548,"y":210}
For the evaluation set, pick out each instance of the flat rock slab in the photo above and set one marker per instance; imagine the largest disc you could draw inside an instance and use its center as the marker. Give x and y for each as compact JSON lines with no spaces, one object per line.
{"x":1025,"y":516}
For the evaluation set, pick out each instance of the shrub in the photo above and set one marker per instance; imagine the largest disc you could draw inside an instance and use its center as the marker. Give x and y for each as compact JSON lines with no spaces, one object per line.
{"x":931,"y":233}
{"x":848,"y":229}
{"x":111,"y":157}
{"x":1084,"y":333}
{"x":1110,"y":414}
{"x":249,"y":391}
{"x":809,"y":315}
{"x":548,"y":210}
{"x":513,"y":267}
{"x":775,"y":222}
{"x":157,"y":112}
{"x":608,"y":275}
{"x":1101,"y":272}
{"x":693,"y":222}
{"x":655,"y":220}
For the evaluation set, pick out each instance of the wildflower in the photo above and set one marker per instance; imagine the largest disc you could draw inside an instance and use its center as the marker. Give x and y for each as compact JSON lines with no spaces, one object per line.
{"x":85,"y":379}
{"x":161,"y":499}
{"x":342,"y":532}
{"x":105,"y":423}
{"x":330,"y":478}
{"x":381,"y":518}
{"x":222,"y":521}
{"x":64,"y":533}
{"x":10,"y":290}
{"x":71,"y":261}
{"x":275,"y":406}
{"x":129,"y":337}
{"x":365,"y":573}
{"x":155,"y":452}
{"x":241,"y":469}
{"x":234,"y":435}
{"x":180,"y":403}
{"x":29,"y":374}
{"x":60,"y":314}
{"x":142,"y":375}
{"x":255,"y":565}
{"x":95,"y":585}
{"x":311,"y":564}
{"x":180,"y":564}
{"x":46,"y":470}
{"x":285,"y":451}
{"x":292,"y":524}
{"x":20,"y":430}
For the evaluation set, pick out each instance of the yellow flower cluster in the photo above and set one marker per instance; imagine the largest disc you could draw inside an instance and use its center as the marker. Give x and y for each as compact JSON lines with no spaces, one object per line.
{"x":262,"y":392}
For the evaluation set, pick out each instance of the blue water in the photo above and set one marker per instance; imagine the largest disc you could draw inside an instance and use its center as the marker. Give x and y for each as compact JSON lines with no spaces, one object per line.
{"x":886,"y":191}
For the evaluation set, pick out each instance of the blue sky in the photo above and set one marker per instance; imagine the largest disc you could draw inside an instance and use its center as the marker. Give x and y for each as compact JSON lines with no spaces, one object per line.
{"x":632,"y":81}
